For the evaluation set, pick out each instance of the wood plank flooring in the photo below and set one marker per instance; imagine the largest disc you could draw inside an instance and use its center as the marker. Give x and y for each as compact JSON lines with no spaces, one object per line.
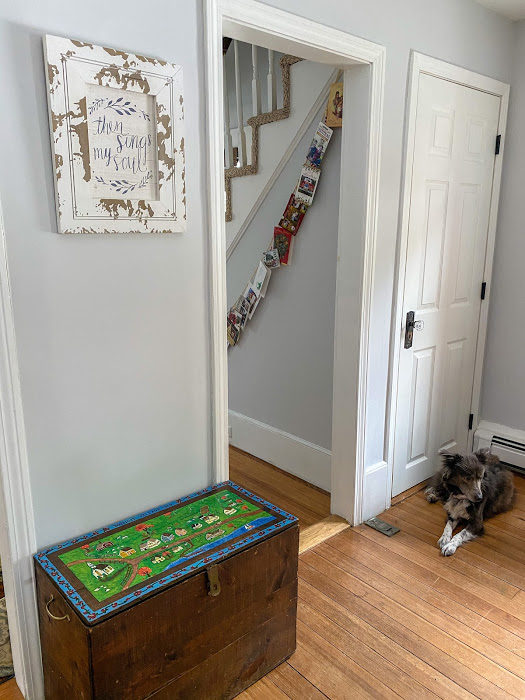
{"x":307,"y":502}
{"x":409,"y":492}
{"x":382,"y":617}
{"x":9,"y":691}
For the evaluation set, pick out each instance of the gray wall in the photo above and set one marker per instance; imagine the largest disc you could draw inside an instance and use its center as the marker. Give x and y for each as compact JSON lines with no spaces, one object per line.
{"x":281,"y":371}
{"x":112,"y":331}
{"x":503,"y":391}
{"x":459,"y":31}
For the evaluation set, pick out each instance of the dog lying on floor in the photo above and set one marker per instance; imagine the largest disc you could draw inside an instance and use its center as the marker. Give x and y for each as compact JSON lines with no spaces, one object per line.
{"x":471,"y":488}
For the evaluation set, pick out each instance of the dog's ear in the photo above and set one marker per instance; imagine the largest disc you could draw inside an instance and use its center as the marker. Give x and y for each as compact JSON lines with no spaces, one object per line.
{"x":449,"y":457}
{"x":485,"y":456}
{"x":450,"y":462}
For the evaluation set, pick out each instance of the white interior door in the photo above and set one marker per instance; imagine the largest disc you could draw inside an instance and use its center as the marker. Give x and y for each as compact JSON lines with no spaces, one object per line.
{"x":454,"y":152}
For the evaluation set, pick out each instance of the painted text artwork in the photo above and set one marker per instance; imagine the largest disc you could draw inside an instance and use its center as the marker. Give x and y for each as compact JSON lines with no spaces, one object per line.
{"x":122,"y":143}
{"x":117,"y":134}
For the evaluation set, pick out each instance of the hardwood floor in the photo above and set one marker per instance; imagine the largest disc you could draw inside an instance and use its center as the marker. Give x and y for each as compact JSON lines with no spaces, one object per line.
{"x":409,"y":492}
{"x":308,"y":503}
{"x":384,"y":617}
{"x":390,"y":617}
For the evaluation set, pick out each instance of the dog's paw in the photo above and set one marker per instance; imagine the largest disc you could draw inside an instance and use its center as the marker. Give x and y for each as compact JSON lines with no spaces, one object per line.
{"x":444,"y":540}
{"x":448,"y":549}
{"x":431,"y":495}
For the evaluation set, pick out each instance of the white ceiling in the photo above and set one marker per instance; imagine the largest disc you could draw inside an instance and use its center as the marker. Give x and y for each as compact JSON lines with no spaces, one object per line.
{"x":514,"y":9}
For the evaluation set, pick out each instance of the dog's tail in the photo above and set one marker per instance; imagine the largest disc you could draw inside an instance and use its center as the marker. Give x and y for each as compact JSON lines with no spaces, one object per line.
{"x":431,"y":492}
{"x":431,"y":495}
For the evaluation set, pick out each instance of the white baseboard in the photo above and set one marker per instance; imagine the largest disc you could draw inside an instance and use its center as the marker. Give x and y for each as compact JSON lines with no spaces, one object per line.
{"x":494,"y":434}
{"x":296,"y":456}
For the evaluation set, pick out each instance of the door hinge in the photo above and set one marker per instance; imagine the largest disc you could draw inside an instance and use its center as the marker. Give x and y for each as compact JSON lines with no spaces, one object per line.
{"x":483,"y":289}
{"x":498,"y":144}
{"x":470,"y":421}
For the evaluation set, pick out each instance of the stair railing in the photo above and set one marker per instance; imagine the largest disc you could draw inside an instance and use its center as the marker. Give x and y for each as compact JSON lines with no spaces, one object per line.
{"x":241,"y":141}
{"x":236,"y":147}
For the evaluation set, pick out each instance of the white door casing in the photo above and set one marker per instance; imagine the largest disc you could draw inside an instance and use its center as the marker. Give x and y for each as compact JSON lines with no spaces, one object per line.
{"x":450,"y":211}
{"x":272,"y":28}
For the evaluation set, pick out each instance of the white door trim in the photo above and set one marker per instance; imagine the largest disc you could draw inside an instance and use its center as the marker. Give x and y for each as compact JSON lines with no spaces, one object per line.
{"x":440,"y":69}
{"x":17,"y":532}
{"x":250,"y":21}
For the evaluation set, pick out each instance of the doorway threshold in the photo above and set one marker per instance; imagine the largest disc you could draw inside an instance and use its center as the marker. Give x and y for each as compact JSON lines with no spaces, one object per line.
{"x":321,"y":531}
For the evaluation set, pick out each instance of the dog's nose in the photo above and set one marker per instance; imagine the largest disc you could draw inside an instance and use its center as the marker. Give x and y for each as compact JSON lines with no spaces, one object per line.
{"x":479,"y":497}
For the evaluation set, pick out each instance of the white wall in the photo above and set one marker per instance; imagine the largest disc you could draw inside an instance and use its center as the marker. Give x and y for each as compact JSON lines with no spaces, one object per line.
{"x":503,"y":391}
{"x":281,"y":371}
{"x":111,"y":329}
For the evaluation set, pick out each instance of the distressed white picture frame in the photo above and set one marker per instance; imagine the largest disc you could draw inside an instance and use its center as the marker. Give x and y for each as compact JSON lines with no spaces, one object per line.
{"x":116,"y":122}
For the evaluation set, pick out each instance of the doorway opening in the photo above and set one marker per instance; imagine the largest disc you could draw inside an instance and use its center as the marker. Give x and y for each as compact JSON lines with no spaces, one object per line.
{"x":282,"y":173}
{"x":362,"y":66}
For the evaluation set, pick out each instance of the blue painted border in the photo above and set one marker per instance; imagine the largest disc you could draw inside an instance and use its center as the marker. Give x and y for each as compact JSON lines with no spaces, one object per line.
{"x":91,"y":616}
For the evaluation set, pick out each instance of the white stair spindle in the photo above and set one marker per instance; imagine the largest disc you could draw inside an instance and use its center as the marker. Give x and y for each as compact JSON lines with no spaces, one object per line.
{"x":256,"y":88}
{"x":272,"y":87}
{"x":240,"y":116}
{"x":228,"y":144}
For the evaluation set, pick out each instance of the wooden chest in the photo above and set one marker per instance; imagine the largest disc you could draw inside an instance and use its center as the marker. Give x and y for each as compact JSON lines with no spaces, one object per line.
{"x":193,"y":599}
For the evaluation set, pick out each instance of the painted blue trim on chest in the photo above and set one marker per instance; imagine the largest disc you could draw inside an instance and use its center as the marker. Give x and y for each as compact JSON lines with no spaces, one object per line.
{"x":91,"y":616}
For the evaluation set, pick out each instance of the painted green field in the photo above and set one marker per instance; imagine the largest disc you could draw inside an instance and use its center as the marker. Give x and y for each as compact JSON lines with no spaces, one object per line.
{"x":115,"y":563}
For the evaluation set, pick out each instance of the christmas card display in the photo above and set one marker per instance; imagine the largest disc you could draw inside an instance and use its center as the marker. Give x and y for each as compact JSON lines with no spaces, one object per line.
{"x":251,"y":297}
{"x":283,"y":241}
{"x":232,"y":332}
{"x":319,"y":145}
{"x":279,"y":252}
{"x":261,"y":279}
{"x":293,"y":214}
{"x":271,"y":258}
{"x":307,"y":184}
{"x":242,"y":307}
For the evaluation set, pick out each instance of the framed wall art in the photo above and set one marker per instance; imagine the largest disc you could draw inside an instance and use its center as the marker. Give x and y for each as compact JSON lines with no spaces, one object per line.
{"x":334,"y":110}
{"x":116,"y":124}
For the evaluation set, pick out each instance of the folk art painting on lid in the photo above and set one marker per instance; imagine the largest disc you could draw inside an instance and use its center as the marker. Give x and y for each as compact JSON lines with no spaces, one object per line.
{"x":117,"y":135}
{"x":113,"y":567}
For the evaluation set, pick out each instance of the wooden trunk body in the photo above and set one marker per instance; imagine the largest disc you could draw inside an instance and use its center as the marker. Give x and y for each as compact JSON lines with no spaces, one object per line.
{"x":177,"y":639}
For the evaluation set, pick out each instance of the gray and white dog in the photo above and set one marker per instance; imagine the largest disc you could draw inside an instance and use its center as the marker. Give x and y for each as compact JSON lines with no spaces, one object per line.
{"x":471,"y":488}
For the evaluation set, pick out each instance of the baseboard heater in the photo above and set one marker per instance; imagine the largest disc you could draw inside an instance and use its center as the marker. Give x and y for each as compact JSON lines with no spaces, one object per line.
{"x":511,"y":452}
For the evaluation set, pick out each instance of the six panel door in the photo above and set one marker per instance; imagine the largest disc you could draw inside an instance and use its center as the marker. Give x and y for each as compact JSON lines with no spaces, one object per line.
{"x":451,"y":189}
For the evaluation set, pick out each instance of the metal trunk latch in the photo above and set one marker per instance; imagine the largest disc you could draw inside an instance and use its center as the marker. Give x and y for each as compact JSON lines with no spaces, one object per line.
{"x":214,"y":585}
